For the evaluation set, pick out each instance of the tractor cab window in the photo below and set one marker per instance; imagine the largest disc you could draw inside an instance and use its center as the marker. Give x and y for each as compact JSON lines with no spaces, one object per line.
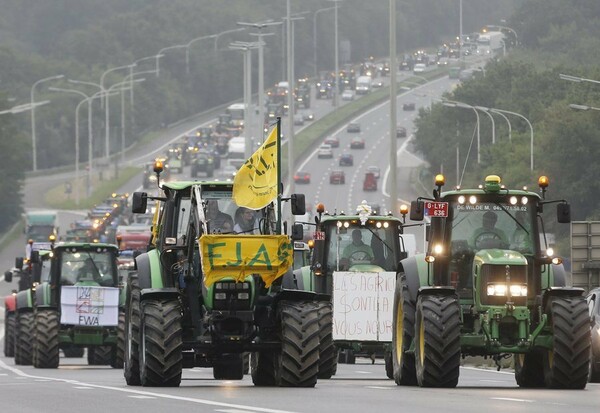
{"x":88,"y":266}
{"x":351,"y":247}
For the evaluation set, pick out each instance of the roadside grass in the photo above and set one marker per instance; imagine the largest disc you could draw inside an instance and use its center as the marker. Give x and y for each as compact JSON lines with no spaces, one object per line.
{"x":56,"y":197}
{"x":12,"y":234}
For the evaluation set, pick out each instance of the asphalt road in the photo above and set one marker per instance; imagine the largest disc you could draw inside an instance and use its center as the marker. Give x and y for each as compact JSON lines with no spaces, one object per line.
{"x":75,"y":387}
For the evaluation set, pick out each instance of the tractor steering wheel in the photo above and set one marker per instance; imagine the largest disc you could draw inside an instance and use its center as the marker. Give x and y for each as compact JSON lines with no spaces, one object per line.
{"x":488,"y":239}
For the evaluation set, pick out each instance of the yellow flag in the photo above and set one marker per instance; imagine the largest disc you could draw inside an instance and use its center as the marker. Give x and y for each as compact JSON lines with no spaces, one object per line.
{"x":239,"y":256}
{"x":255,"y":184}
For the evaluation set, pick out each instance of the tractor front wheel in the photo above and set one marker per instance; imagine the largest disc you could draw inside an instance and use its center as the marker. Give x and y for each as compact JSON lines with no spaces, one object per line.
{"x":24,"y":339}
{"x":403,"y":364}
{"x":116,"y":361}
{"x":529,"y":369}
{"x":437,"y":341}
{"x":161,"y":360}
{"x":131,"y":364}
{"x":328,"y":353}
{"x":566,"y":365}
{"x":45,"y":342}
{"x":9,"y":334}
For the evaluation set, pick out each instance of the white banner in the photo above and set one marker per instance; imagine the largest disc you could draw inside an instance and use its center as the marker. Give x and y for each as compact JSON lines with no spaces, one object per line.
{"x":362,"y":305}
{"x":89,"y":306}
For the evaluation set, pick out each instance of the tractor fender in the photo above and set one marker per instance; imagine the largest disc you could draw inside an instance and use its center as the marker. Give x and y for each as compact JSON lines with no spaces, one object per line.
{"x":23,"y":300}
{"x":43,"y":295}
{"x":157,"y":293}
{"x":559,"y":275}
{"x":445,"y":291}
{"x":409,"y":267}
{"x":560,"y":292}
{"x":10,"y":302}
{"x":148,"y":269}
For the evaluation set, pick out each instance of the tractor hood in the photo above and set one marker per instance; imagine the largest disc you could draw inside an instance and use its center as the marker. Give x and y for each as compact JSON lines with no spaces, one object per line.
{"x":499,"y":257}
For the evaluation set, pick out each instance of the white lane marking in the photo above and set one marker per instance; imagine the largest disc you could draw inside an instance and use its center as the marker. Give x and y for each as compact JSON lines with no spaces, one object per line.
{"x":486,"y":370}
{"x":362,"y":372}
{"x":510,"y":399}
{"x":493,"y":381}
{"x":145,"y":393}
{"x":233,"y":411}
{"x":142,"y":397}
{"x":379,"y":387}
{"x":82,"y":387}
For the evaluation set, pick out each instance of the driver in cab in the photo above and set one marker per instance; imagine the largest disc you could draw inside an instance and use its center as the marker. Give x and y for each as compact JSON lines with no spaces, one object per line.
{"x":488,"y":236}
{"x":357,"y":252}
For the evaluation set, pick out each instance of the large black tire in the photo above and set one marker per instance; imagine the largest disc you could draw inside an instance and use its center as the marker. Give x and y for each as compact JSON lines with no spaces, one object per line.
{"x":299,"y":362}
{"x":24,"y":339}
{"x":594,"y":376}
{"x":328,"y":353}
{"x":99,"y":355}
{"x":246,"y":363}
{"x":131,"y":362}
{"x":529,"y":369}
{"x":160,"y":343}
{"x":263,"y":367}
{"x":118,"y":355}
{"x":389,"y":364}
{"x":347,"y":356}
{"x":403,"y":333}
{"x":437,"y":341}
{"x":9,"y":334}
{"x":45,"y":343}
{"x":229,"y":367}
{"x":73,"y":352}
{"x":567,"y":365}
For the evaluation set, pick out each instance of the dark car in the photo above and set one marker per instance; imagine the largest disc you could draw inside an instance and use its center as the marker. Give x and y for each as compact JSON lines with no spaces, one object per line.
{"x":333,"y":141}
{"x":357,"y":143}
{"x":337,"y":177}
{"x":346,"y":159}
{"x":203,"y":162}
{"x":302,"y":177}
{"x":593,"y":299}
{"x":408,"y":106}
{"x":353,"y":127}
{"x":370,"y":182}
{"x":400,"y":132}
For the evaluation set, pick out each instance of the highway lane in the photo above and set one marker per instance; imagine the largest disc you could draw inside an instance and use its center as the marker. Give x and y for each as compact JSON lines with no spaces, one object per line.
{"x":75,"y":387}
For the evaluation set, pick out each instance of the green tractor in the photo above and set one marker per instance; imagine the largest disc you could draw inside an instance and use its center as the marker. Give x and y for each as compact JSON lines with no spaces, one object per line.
{"x":488,"y":285}
{"x":75,"y":302}
{"x":355,"y":259}
{"x":206,"y":296}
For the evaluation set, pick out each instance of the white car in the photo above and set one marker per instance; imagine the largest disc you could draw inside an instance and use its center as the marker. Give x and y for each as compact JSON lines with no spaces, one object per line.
{"x":347,"y":95}
{"x":419,"y":68}
{"x":325,"y":151}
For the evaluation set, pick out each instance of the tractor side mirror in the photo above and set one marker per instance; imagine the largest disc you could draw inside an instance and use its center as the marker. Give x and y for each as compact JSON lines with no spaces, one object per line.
{"x":417,"y":211}
{"x":297,"y":232}
{"x":298,"y":204}
{"x":8,"y":276}
{"x":19,"y":263}
{"x":563,"y":213}
{"x":139,"y":202}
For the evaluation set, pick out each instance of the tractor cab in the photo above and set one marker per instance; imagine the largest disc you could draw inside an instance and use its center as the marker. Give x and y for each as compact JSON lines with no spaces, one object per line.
{"x":84,"y":264}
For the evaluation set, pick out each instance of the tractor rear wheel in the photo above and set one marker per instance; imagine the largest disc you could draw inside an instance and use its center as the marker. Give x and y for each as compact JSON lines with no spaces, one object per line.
{"x":9,"y":334}
{"x":263,"y":367}
{"x":116,"y":361}
{"x":529,"y":369}
{"x":328,"y":353}
{"x":246,"y":363}
{"x":45,"y":341}
{"x":161,"y":360}
{"x":131,"y":362}
{"x":99,"y":355}
{"x":299,"y":362}
{"x":437,"y":339}
{"x":24,"y":339}
{"x":403,"y":333}
{"x":567,"y":365}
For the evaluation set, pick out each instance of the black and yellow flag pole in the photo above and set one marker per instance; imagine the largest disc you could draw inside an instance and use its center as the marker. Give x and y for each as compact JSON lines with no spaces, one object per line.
{"x":279,"y":183}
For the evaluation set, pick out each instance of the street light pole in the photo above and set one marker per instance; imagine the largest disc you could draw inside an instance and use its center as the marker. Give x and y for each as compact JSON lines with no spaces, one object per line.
{"x":577,"y":79}
{"x":336,"y":89}
{"x":164,"y":49}
{"x":107,"y":109}
{"x":486,"y":111}
{"x":507,"y":121}
{"x":226,"y":32}
{"x":187,"y":50}
{"x":315,"y":37}
{"x":290,"y":74}
{"x":530,"y":130}
{"x":454,"y":104}
{"x":32,"y":103}
{"x":583,"y":107}
{"x":393,"y":110}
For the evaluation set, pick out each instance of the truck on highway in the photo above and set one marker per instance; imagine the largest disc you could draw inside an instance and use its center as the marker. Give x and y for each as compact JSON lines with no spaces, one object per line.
{"x":363,"y":85}
{"x":490,"y":42}
{"x":40,"y":225}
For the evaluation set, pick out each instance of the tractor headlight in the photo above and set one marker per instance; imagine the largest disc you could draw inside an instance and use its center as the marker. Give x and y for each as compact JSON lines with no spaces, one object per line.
{"x":501,"y":290}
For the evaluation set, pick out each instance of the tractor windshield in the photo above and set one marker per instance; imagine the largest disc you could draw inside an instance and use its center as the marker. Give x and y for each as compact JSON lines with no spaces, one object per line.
{"x":493,"y":225}
{"x":92,"y":266}
{"x":351,"y":244}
